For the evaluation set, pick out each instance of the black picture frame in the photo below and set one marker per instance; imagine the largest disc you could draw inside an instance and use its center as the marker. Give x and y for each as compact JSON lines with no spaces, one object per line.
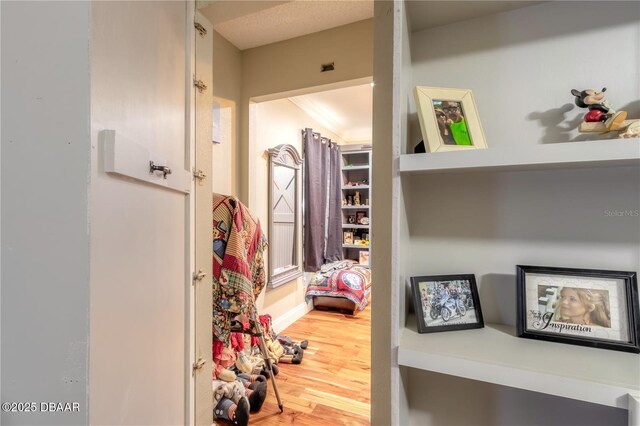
{"x":587,"y":307}
{"x":430,"y":313}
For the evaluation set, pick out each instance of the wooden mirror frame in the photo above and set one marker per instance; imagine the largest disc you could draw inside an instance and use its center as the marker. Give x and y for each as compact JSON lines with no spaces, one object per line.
{"x":284,"y":155}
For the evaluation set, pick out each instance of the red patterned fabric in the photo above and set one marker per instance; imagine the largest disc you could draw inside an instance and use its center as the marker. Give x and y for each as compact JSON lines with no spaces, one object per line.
{"x":238,"y":263}
{"x":237,"y":342}
{"x":265,"y":322}
{"x":216,"y":348}
{"x":353,"y":283}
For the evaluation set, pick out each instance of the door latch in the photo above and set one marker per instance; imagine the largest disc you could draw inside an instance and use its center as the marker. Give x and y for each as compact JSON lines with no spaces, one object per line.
{"x":164,"y":169}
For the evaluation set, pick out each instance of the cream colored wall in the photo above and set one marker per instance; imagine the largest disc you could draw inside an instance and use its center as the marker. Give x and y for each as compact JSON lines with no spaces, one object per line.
{"x":386,"y":133}
{"x":279,"y":122}
{"x":294,"y":65}
{"x":227,"y":69}
{"x":226,"y":91}
{"x":223,"y":152}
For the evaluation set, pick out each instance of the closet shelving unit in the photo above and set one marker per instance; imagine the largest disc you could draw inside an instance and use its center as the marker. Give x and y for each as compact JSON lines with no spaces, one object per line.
{"x":585,"y":374}
{"x":590,"y":375}
{"x":517,"y":202}
{"x":599,"y":153}
{"x":356,"y":177}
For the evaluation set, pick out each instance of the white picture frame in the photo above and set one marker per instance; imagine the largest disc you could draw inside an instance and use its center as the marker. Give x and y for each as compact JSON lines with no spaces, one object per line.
{"x":466,"y":135}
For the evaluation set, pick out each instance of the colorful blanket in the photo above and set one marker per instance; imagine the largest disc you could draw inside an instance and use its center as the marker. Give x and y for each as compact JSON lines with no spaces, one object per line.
{"x":353,"y":283}
{"x":238,"y":264}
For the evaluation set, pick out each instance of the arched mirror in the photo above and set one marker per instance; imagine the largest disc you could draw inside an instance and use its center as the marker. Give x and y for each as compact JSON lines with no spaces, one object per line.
{"x":284,"y":214}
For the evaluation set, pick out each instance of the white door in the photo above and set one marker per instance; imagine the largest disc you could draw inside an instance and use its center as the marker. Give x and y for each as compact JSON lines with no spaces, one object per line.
{"x":139,"y":368}
{"x":203,"y":221}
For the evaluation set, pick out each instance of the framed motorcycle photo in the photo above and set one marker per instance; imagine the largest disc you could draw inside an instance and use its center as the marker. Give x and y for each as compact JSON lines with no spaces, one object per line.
{"x":446,"y":303}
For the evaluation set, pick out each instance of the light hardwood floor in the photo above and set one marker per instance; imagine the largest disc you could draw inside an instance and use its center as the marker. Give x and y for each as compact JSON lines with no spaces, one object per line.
{"x":332,"y":384}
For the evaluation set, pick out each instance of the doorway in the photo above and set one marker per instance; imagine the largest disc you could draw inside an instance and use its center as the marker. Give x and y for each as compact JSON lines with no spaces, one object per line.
{"x":248,"y":77}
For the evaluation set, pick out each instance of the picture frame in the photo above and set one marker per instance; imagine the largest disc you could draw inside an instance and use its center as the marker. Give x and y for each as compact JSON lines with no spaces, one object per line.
{"x":448,"y":119}
{"x":587,"y":307}
{"x":347,"y":237}
{"x":363,"y":258}
{"x":359,"y":215}
{"x":446,"y":303}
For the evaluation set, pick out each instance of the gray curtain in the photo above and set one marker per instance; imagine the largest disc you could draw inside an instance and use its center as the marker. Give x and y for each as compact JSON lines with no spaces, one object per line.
{"x":322,"y":202}
{"x":333,"y":247}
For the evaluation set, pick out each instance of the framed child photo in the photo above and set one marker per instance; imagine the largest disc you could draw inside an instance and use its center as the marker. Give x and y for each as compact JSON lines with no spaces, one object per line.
{"x":363,"y":258}
{"x":587,"y":307}
{"x":347,"y":237}
{"x":448,"y":119}
{"x":446,"y":302}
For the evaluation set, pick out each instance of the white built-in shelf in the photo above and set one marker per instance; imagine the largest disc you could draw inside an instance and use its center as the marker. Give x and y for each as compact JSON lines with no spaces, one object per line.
{"x":356,"y":246}
{"x":358,"y":167}
{"x":495,"y":355}
{"x":365,"y":151}
{"x":346,"y":225}
{"x":356,"y":187}
{"x":618,"y":152}
{"x":362,"y":206}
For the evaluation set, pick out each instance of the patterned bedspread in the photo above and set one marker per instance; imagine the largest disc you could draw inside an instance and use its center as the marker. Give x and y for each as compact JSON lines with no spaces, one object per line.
{"x":353,"y":283}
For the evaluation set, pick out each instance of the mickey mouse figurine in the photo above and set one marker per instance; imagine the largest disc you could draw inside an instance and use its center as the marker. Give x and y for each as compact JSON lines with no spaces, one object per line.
{"x":599,"y":109}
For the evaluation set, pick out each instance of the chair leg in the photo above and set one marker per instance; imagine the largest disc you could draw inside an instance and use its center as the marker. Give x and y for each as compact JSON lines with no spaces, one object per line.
{"x":267,"y":360}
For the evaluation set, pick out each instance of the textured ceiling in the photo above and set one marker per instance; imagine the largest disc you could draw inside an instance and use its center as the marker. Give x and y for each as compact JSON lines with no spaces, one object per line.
{"x":248,"y":24}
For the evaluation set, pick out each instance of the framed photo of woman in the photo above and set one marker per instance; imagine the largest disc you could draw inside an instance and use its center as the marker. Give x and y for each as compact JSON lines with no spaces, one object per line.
{"x":585,"y":307}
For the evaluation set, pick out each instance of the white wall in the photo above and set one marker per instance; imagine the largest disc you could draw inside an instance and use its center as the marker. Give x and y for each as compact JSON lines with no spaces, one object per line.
{"x":138,"y":235}
{"x":522,"y":65}
{"x":456,"y":401}
{"x":280,"y":122}
{"x":498,"y":220}
{"x":45,"y":178}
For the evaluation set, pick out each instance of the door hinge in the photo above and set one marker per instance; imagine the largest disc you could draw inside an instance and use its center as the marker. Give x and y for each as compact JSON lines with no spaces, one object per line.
{"x":200,"y":85}
{"x":199,"y":364}
{"x":199,"y":174}
{"x":198,"y":276}
{"x":201,"y":29}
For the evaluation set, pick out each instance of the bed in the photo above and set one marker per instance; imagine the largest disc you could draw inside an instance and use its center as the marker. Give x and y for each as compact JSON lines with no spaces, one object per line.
{"x":342,"y":286}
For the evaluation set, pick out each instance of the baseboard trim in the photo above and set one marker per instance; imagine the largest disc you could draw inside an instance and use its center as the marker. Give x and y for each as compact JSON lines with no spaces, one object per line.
{"x":290,"y":317}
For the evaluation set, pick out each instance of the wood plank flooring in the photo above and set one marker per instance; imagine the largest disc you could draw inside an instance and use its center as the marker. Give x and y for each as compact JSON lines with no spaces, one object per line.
{"x":332,"y":384}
